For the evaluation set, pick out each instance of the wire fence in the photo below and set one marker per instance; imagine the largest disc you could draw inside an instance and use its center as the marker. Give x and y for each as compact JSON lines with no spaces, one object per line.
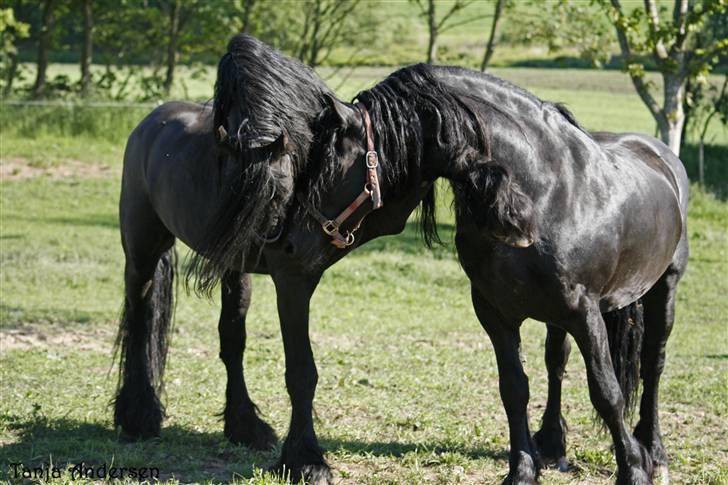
{"x":79,"y":104}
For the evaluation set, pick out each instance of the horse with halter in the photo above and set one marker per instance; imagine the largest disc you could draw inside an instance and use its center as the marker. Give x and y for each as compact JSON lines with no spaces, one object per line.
{"x":583,"y":231}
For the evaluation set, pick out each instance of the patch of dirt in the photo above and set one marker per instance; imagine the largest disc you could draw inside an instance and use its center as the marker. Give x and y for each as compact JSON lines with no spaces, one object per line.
{"x":21,"y":169}
{"x":44,"y":337}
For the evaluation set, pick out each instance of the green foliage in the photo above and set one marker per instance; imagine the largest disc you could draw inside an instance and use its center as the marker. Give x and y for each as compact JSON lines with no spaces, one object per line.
{"x":567,"y":24}
{"x":11,"y":29}
{"x":322,"y":31}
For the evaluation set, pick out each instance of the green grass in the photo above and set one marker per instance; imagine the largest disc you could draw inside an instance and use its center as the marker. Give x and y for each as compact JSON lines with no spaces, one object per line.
{"x":407,"y":391}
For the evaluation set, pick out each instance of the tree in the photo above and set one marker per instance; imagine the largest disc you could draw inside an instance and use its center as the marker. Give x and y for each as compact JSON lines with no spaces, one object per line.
{"x":11,"y":29}
{"x":670,"y":43}
{"x":490,"y":45}
{"x":173,"y":10}
{"x":44,"y":43}
{"x":566,"y":23}
{"x":313,"y":30}
{"x":87,"y":47}
{"x":708,"y":101}
{"x":247,"y":10}
{"x":436,"y":26}
{"x":324,"y":23}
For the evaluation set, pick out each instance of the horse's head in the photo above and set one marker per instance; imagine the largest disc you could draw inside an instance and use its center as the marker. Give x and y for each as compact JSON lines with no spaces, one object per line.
{"x":340,"y":186}
{"x":342,"y":145}
{"x":264,"y":107}
{"x":254,"y":153}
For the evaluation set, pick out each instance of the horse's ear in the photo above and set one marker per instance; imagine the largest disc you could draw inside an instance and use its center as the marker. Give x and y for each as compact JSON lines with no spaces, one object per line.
{"x":276,"y":147}
{"x":279,"y":146}
{"x":338,"y":114}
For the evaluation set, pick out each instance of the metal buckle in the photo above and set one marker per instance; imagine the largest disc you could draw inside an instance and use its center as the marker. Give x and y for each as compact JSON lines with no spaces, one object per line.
{"x":372,"y":159}
{"x":329,"y":227}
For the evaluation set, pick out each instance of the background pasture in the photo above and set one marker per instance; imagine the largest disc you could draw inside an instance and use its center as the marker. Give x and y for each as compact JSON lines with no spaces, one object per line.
{"x":407,"y":392}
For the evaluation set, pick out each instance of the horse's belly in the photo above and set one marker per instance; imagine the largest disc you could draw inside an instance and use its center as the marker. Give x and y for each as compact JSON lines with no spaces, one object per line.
{"x":649,"y":241}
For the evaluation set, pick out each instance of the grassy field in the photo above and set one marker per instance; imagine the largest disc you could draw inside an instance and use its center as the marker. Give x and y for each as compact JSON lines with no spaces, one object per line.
{"x":407,"y":394}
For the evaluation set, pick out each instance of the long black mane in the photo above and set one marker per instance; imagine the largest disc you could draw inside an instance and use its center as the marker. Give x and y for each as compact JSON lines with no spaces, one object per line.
{"x":268,"y":94}
{"x":411,"y":103}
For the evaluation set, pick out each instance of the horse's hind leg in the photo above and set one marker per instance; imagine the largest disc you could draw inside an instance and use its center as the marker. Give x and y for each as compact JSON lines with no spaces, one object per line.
{"x":242,"y":424}
{"x":633,"y":461}
{"x":513,"y":383}
{"x":551,"y":438}
{"x":146,"y":319}
{"x":659,"y":315}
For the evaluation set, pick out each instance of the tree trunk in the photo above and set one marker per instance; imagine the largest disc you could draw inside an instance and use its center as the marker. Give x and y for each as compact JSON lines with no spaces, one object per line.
{"x":12,"y":71}
{"x":247,"y":9}
{"x":701,"y":163}
{"x":432,"y":24}
{"x":174,"y":14}
{"x":313,"y":53}
{"x":490,"y":47}
{"x":44,"y":43}
{"x":671,"y":128}
{"x":87,"y":49}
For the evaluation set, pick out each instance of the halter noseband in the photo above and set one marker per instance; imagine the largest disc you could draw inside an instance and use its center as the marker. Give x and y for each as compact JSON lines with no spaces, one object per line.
{"x":371,"y":191}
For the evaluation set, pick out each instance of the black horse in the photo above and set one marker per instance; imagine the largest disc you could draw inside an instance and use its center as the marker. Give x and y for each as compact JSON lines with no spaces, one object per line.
{"x":223,"y":180}
{"x":220,"y":179}
{"x":584,"y":231}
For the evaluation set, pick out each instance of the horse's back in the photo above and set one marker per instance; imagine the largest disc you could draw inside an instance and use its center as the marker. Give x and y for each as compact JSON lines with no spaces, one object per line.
{"x":652,"y":153}
{"x":169,"y":120}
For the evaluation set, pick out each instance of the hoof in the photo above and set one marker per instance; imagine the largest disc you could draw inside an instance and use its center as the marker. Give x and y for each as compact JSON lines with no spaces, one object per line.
{"x":302,"y":460}
{"x":652,"y":441}
{"x":526,"y":473}
{"x":138,"y":413}
{"x":638,"y":475}
{"x":551,"y":444}
{"x":246,"y":428}
{"x":635,"y":476}
{"x":312,"y":474}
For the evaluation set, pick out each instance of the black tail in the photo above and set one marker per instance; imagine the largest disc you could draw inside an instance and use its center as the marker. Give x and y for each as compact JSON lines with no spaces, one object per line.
{"x":153,"y":338}
{"x":625,"y":328}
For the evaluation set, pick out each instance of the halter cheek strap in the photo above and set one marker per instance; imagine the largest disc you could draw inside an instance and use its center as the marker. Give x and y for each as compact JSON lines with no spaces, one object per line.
{"x":371,"y":192}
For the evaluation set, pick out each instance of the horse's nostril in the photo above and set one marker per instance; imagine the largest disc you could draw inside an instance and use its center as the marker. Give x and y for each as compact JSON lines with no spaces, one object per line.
{"x":289,"y":248}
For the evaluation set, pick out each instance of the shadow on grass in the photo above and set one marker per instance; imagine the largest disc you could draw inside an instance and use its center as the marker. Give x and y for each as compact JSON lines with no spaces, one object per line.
{"x":398,"y":450}
{"x":183,"y":454}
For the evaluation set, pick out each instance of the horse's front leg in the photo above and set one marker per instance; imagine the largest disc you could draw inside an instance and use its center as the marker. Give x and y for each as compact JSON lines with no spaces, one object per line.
{"x":301,"y":455}
{"x":513,"y":383}
{"x":242,"y":424}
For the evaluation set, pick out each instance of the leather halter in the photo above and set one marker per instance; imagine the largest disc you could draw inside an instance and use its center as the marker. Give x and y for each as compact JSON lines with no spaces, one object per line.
{"x":371,"y":192}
